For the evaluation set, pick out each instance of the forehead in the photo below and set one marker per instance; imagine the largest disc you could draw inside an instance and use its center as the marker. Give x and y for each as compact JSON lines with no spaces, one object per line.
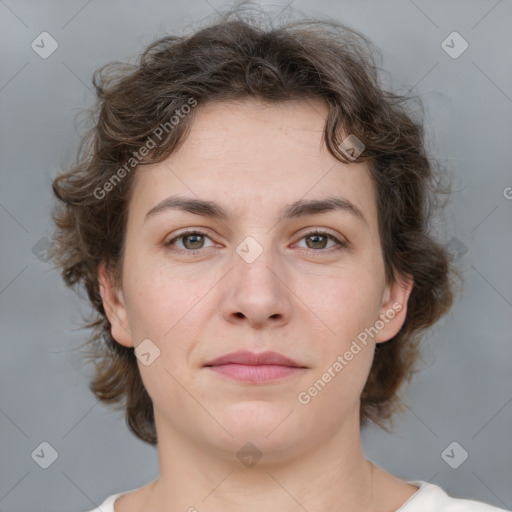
{"x":256,"y":155}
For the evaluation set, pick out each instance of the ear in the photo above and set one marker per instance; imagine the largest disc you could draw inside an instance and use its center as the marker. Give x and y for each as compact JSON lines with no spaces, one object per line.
{"x":394,"y":308}
{"x":115,"y":308}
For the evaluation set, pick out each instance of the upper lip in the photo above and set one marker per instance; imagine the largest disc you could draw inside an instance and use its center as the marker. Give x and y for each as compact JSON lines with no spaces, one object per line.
{"x":254,"y":359}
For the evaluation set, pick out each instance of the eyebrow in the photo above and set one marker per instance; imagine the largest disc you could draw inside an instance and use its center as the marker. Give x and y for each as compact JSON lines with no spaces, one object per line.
{"x":300,"y":208}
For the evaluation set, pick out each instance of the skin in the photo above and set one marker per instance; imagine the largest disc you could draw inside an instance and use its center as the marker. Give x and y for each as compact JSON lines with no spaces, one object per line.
{"x":300,"y":297}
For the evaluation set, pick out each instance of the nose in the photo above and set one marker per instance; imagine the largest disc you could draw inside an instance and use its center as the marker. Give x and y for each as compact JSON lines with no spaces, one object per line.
{"x":257,"y":292}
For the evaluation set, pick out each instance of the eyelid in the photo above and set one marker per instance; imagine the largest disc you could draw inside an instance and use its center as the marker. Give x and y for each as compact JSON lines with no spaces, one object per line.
{"x":322,"y":231}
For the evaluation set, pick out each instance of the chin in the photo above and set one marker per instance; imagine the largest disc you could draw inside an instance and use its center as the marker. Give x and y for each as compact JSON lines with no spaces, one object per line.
{"x":269,"y":426}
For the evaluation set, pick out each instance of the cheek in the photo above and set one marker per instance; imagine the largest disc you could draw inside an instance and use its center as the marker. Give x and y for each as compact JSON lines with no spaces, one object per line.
{"x":167,"y":308}
{"x":154,"y":301}
{"x":343,"y":350}
{"x":168,"y":312}
{"x":345,"y":302}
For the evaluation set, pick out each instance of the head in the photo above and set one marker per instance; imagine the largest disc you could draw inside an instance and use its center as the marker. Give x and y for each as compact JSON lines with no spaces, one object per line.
{"x":306,"y":192}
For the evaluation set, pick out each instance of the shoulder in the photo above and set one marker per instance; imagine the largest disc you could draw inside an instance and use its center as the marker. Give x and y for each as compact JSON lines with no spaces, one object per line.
{"x":108,"y":504}
{"x":136,"y":497}
{"x":431,"y":497}
{"x":428,"y":498}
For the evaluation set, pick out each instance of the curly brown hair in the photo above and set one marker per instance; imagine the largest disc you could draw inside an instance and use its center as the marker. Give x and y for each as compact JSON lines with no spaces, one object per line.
{"x":234,"y":58}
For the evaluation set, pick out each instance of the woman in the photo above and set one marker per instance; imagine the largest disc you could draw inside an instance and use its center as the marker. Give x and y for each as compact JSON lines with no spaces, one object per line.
{"x":249,"y":216}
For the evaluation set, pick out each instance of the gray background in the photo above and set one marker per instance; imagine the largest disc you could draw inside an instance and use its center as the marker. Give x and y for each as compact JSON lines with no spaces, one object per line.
{"x":464,"y":391}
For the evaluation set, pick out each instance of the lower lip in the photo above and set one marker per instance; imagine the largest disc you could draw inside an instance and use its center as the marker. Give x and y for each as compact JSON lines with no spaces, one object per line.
{"x":255,"y":373}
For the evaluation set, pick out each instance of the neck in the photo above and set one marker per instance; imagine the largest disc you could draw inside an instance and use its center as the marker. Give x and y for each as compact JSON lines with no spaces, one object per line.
{"x":330,"y":475}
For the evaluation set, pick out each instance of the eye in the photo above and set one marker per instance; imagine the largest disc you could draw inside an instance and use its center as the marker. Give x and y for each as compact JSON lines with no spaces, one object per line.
{"x":318,"y":240}
{"x":189,"y":241}
{"x":193,"y":241}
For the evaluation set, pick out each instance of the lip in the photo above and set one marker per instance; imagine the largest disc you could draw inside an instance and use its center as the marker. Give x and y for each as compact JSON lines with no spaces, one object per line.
{"x":254,"y":367}
{"x":254,"y":359}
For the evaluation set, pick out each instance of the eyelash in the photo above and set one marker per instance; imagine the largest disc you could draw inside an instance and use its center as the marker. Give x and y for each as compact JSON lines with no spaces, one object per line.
{"x":194,"y":252}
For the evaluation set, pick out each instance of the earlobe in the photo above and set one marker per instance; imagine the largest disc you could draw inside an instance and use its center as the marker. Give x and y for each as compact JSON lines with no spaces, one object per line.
{"x":394,"y":308}
{"x":115,"y":308}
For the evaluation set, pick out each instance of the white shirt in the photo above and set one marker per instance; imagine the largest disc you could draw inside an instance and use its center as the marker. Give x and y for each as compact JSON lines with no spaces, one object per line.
{"x":428,"y":498}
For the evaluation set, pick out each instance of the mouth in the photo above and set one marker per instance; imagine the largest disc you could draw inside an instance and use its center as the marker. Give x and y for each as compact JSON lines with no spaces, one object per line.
{"x":255,"y":368}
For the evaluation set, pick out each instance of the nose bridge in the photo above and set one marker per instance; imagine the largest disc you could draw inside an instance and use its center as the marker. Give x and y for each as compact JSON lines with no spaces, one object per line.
{"x":255,"y":263}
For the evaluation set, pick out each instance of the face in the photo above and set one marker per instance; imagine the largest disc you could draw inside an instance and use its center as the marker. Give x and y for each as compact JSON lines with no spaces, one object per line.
{"x":252,"y":237}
